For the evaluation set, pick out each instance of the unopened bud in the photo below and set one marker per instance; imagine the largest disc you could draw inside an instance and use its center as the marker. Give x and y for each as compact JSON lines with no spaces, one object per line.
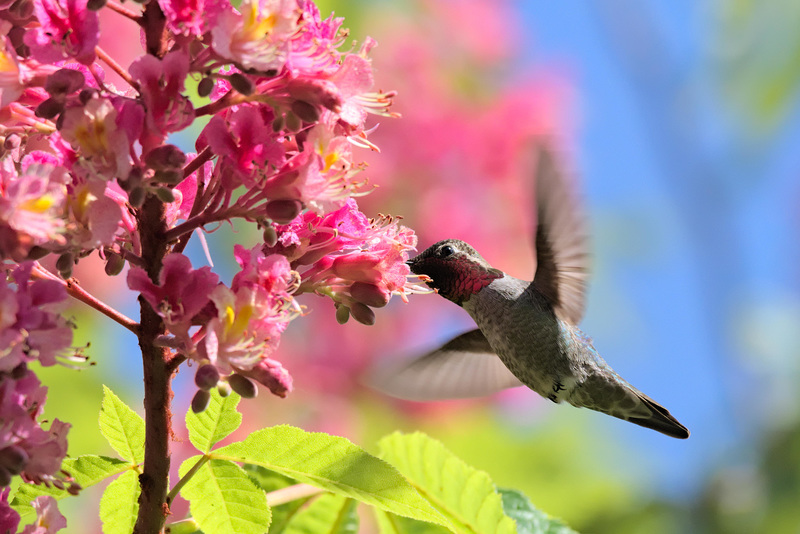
{"x":293,"y":122}
{"x":165,"y":195}
{"x":49,"y":109}
{"x":200,"y":401}
{"x":87,"y":94}
{"x":5,"y":477}
{"x":241,"y":83}
{"x":136,"y":196}
{"x":342,"y":313}
{"x":19,"y":371}
{"x":14,"y":459}
{"x":223,"y":388}
{"x":165,"y":157}
{"x":243,"y":386}
{"x":270,"y":236}
{"x":11,"y":141}
{"x":64,"y":265}
{"x":278,"y":123}
{"x":205,"y":87}
{"x":283,"y":211}
{"x":37,"y":253}
{"x":206,"y":377}
{"x":114,"y":263}
{"x":95,"y":5}
{"x":305,"y":111}
{"x":369,"y":294}
{"x":362,"y":313}
{"x":170,"y":177}
{"x":64,"y":82}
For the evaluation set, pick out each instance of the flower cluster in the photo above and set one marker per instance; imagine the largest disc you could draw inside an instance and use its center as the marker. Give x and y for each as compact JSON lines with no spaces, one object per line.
{"x":85,"y":165}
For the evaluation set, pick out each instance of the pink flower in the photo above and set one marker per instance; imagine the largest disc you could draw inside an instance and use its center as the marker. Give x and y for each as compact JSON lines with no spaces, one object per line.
{"x":48,"y":519}
{"x":190,"y":17}
{"x":12,"y":74}
{"x":68,"y":31}
{"x":9,"y":518}
{"x":271,"y":374}
{"x":182,"y":292}
{"x":32,"y":205}
{"x":162,"y":84}
{"x":256,"y":37}
{"x":25,"y":447}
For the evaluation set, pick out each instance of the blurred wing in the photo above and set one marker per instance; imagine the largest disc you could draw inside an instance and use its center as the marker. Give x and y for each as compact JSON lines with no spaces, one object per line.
{"x":562,"y":258}
{"x":464,"y":367}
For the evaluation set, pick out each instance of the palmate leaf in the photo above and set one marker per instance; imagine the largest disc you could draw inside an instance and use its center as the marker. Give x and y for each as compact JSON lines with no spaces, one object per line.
{"x":529,"y":519}
{"x":333,"y":464}
{"x":122,"y":427}
{"x":223,"y":499}
{"x":462,"y":494}
{"x":215,"y":423}
{"x":85,"y":470}
{"x":327,"y":514}
{"x":119,"y":504}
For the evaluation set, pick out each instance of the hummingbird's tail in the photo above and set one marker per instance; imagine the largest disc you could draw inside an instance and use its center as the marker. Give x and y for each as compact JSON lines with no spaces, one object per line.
{"x":660,"y":419}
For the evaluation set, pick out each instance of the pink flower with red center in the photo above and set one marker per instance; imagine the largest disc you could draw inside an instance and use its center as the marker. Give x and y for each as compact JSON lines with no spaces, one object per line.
{"x":245,"y":143}
{"x":68,"y":31}
{"x":161,"y":83}
{"x":32,"y":205}
{"x":190,"y":17}
{"x":256,"y":36}
{"x":181,"y":292}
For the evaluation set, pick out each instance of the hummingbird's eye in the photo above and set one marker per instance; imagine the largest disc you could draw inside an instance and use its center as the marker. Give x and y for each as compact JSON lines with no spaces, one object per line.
{"x":445,"y":251}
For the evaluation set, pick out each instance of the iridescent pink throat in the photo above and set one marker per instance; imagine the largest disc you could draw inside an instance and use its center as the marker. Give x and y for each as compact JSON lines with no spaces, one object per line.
{"x":458,"y":280}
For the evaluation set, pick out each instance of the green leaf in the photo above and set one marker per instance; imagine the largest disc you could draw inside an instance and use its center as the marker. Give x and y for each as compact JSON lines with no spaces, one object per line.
{"x":328,"y":514}
{"x":215,"y":423}
{"x":529,"y":519}
{"x":85,"y":470}
{"x":119,"y":504}
{"x":333,"y":464}
{"x":462,"y":494}
{"x":394,"y":524}
{"x":122,"y":427}
{"x":223,"y":499}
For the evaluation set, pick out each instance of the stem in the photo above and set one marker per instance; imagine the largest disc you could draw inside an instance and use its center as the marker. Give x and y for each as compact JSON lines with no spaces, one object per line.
{"x":188,"y":476}
{"x":291,"y":493}
{"x":116,"y":67}
{"x":124,"y":11}
{"x":75,"y":290}
{"x":153,"y":506}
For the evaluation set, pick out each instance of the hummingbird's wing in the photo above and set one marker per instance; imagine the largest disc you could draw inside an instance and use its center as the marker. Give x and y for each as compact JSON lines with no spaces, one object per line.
{"x":463,"y":367}
{"x":562,"y":258}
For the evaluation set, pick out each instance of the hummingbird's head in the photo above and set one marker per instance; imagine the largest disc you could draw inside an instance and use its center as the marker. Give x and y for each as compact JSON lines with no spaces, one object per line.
{"x":455,"y":269}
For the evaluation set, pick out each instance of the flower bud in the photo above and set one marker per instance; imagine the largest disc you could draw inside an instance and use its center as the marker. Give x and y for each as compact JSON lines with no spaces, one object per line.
{"x":270,"y":236}
{"x":342,"y":313}
{"x":241,"y":83}
{"x":293,"y":122}
{"x":362,"y":313}
{"x":13,"y":459}
{"x":136,"y":197}
{"x":223,"y":388}
{"x":114,"y":263}
{"x":19,"y":371}
{"x":64,"y":265}
{"x":165,"y":195}
{"x":243,"y":386}
{"x":87,"y":94}
{"x":278,"y":123}
{"x":11,"y":141}
{"x":170,"y":177}
{"x":205,"y":87}
{"x":64,"y":82}
{"x":283,"y":211}
{"x":49,"y":109}
{"x":369,"y":294}
{"x":96,"y":5}
{"x":5,"y":477}
{"x":206,"y":376}
{"x":200,"y":401}
{"x":165,"y":157}
{"x":37,"y":253}
{"x":305,"y":111}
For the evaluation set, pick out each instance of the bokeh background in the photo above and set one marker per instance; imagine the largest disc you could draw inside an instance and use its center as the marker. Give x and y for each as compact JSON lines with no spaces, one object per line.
{"x":680,"y":121}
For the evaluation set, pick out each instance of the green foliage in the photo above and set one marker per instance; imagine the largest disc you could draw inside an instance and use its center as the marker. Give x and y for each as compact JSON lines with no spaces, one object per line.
{"x":530,"y":520}
{"x":122,"y":427}
{"x":119,"y":504}
{"x":333,"y":464}
{"x":462,"y":494}
{"x":217,"y":422}
{"x":327,"y":514}
{"x":223,"y":499}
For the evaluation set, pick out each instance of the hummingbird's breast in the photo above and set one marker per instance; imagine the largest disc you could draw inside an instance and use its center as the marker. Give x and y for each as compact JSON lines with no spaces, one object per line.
{"x":531,"y":341}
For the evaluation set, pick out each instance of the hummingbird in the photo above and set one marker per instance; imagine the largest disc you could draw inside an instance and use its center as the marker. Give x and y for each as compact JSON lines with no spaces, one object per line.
{"x":527,"y":332}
